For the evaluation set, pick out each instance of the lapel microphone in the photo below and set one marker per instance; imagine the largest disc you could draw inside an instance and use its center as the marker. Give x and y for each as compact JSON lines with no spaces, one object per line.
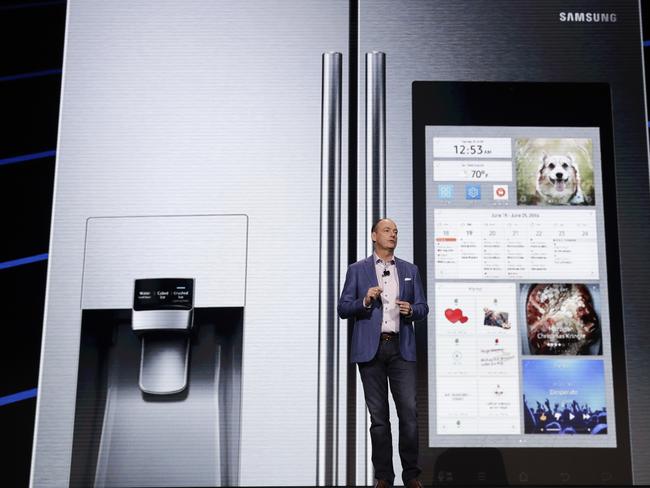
{"x":386,"y":272}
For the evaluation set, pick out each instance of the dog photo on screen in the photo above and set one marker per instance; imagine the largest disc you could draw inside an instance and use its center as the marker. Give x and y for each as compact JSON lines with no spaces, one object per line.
{"x":554,"y":171}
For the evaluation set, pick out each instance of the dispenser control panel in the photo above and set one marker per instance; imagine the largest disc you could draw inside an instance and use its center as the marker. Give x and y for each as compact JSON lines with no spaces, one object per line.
{"x":163,"y":294}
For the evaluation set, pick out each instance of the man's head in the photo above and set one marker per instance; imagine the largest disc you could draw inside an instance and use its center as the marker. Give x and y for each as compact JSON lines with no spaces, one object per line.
{"x":384,"y":235}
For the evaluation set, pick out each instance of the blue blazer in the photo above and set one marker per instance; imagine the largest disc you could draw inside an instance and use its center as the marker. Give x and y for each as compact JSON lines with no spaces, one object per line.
{"x":367,"y":322}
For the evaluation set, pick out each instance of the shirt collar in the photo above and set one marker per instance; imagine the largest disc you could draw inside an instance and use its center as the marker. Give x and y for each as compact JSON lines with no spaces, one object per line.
{"x":378,"y":260}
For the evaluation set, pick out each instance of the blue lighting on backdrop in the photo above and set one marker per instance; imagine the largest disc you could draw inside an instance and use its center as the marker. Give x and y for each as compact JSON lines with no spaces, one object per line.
{"x":17,"y":397}
{"x":27,"y":157}
{"x":21,"y":261}
{"x":32,"y":74}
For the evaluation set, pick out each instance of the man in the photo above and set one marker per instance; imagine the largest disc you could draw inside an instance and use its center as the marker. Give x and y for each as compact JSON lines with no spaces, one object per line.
{"x":384,"y":295}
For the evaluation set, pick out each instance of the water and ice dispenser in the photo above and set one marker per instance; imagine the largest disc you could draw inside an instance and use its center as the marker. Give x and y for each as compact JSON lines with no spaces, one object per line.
{"x":162,"y":317}
{"x":159,"y":379}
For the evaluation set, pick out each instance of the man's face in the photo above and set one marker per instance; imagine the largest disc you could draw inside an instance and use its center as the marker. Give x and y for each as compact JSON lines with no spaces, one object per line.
{"x":385,"y":234}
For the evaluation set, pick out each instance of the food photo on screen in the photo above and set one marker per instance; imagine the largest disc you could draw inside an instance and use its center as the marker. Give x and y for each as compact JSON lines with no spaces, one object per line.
{"x":496,"y":318}
{"x":564,"y":396}
{"x":554,"y":171}
{"x":562,"y":319}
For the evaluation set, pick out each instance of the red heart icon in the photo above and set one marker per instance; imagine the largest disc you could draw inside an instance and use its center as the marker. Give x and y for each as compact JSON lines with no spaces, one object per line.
{"x":455,"y":315}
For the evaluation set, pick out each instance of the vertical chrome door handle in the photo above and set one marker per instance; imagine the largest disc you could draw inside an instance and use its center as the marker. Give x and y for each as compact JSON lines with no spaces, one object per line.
{"x":330,"y":252}
{"x":375,"y":137}
{"x":375,"y":206}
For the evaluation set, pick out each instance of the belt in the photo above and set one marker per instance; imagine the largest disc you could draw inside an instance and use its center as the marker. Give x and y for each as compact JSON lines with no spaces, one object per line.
{"x":389,"y":336}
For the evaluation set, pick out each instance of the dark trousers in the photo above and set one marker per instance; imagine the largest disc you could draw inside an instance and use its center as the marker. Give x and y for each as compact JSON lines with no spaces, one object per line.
{"x":388,"y":365}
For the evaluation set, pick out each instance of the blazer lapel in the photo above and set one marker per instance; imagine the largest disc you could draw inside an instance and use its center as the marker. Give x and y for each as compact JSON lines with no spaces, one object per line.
{"x":401,"y":274}
{"x":370,"y":271}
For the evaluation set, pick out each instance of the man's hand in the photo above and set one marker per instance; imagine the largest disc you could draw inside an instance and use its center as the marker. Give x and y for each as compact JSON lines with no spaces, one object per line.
{"x":404,"y":308}
{"x":372,"y":294}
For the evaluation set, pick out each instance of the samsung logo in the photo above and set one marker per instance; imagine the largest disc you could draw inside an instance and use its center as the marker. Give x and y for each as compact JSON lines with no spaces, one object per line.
{"x":587,"y":17}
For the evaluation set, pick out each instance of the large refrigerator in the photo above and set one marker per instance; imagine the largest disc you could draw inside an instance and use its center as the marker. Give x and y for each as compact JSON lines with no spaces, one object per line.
{"x":219,"y":165}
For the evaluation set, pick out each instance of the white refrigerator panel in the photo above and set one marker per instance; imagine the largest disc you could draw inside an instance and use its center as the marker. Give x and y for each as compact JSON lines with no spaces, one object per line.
{"x":199,"y":107}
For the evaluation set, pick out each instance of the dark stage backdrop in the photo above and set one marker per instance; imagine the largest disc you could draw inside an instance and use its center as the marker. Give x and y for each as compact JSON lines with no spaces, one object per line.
{"x":32,"y":36}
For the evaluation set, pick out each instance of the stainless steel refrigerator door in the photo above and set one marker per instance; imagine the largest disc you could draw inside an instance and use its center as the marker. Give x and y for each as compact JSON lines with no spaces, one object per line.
{"x":522,"y":41}
{"x":200,"y":107}
{"x":170,"y":440}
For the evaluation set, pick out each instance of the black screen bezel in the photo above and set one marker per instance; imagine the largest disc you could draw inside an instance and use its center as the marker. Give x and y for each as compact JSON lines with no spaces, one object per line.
{"x":522,"y":104}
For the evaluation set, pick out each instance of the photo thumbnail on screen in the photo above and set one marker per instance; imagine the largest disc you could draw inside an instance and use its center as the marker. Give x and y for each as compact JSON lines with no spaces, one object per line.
{"x":554,"y":171}
{"x":564,"y":396}
{"x":561,"y":319}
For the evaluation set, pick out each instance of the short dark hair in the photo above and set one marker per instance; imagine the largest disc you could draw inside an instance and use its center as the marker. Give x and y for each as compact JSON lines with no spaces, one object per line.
{"x":374,"y":226}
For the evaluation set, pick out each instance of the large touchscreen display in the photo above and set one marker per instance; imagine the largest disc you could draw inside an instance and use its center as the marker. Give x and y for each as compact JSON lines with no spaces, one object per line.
{"x":519,"y":350}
